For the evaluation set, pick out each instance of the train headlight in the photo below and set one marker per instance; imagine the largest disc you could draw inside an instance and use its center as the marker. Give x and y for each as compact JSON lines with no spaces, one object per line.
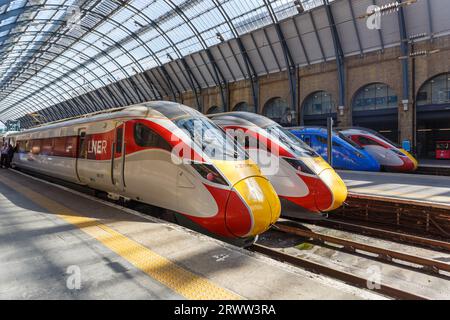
{"x":210,"y":173}
{"x":299,"y":165}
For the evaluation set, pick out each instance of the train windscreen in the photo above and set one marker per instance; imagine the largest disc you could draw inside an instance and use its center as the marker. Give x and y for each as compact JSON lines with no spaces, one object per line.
{"x":379,"y":135}
{"x":296,"y":145}
{"x":349,"y":141}
{"x":213,"y":141}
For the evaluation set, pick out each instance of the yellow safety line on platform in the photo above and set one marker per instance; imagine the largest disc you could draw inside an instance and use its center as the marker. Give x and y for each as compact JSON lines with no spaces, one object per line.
{"x":183,"y":282}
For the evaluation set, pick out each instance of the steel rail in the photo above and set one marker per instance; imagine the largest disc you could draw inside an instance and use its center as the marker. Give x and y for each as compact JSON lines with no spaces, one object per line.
{"x":409,"y":215}
{"x":348,"y":278}
{"x":352,"y":246}
{"x":385,"y":234}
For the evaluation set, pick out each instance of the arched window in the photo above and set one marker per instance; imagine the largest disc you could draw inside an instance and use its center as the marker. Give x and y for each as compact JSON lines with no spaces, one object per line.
{"x":244,"y":106}
{"x":317,"y":107}
{"x":435,"y":91}
{"x":375,"y":106}
{"x":215,"y":109}
{"x":277,"y":109}
{"x":376,"y":96}
{"x":433,"y":115}
{"x":318,"y":103}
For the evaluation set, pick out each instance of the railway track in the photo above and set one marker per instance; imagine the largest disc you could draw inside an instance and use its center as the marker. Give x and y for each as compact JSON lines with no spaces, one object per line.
{"x":433,"y":170}
{"x":408,"y":216}
{"x":346,"y":277}
{"x":382,"y":254}
{"x":399,"y":259}
{"x":386,"y":234}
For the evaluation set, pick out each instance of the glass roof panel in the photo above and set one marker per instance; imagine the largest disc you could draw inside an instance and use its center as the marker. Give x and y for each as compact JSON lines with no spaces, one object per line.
{"x":89,"y":41}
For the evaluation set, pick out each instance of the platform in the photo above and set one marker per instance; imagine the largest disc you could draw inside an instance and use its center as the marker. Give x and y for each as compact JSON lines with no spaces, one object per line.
{"x":52,"y":237}
{"x":434,"y":163}
{"x":430,"y":190}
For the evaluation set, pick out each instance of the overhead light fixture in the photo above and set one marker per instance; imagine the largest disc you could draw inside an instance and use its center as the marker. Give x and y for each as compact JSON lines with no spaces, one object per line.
{"x":299,"y":6}
{"x":388,"y":8}
{"x":418,"y":36}
{"x":220,"y":37}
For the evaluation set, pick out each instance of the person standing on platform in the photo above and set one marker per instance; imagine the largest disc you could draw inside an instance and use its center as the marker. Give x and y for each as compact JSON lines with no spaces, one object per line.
{"x":4,"y":155}
{"x":10,"y":155}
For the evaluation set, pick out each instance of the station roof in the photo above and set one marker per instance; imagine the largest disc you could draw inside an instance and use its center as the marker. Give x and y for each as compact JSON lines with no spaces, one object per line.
{"x":86,"y":55}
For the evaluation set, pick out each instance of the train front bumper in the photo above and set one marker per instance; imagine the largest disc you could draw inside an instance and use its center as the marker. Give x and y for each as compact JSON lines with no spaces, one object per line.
{"x":254,"y":196}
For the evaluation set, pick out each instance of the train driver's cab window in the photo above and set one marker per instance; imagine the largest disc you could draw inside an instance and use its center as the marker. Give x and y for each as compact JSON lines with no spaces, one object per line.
{"x":367,"y":142}
{"x":147,"y":138}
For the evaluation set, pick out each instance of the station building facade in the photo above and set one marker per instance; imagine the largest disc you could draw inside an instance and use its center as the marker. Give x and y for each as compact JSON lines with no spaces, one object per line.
{"x":373,"y":96}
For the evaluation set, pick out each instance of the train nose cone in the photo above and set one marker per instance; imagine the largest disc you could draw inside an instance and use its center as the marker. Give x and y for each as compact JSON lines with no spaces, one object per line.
{"x":255,"y":198}
{"x":333,"y":192}
{"x":411,"y":163}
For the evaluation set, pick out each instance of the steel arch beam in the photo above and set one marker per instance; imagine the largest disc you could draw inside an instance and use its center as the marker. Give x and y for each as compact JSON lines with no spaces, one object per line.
{"x":254,"y":80}
{"x":339,"y":52}
{"x":290,"y":64}
{"x":405,"y":51}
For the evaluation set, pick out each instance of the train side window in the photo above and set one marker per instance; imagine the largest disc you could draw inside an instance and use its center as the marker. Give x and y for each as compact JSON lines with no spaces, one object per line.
{"x":36,"y":146}
{"x":307,"y":140}
{"x":70,"y":147}
{"x":21,"y":146}
{"x":119,"y":140}
{"x":146,"y":138}
{"x":47,"y":147}
{"x":337,"y":145}
{"x":322,"y":140}
{"x":59,"y":147}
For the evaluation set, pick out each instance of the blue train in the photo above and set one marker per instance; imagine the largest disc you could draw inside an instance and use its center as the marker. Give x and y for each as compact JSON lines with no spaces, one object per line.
{"x":347,"y":155}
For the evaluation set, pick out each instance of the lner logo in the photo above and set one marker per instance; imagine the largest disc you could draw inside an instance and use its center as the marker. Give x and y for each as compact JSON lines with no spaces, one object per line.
{"x":97,"y":147}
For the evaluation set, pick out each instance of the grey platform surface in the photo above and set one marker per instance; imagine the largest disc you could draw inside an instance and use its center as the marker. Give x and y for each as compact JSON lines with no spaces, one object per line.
{"x":38,"y":248}
{"x":434,"y":163}
{"x":430,"y":189}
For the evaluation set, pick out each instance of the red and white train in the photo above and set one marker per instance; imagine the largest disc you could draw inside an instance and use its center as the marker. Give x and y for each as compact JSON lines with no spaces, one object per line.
{"x":389,"y":155}
{"x":302,"y":179}
{"x":159,"y":153}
